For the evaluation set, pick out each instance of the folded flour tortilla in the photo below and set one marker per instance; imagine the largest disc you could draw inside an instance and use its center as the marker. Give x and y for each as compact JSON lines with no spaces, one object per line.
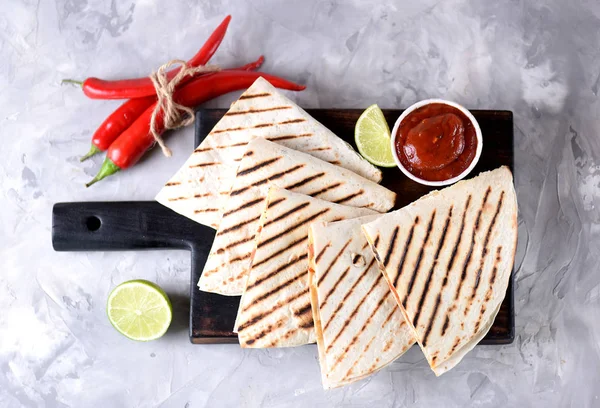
{"x":200,"y":188}
{"x":448,"y":258}
{"x":359,"y":326}
{"x":266,"y":163}
{"x":275,"y":309}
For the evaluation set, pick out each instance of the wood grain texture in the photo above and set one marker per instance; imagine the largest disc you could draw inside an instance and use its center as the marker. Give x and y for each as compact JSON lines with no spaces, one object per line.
{"x":141,"y":225}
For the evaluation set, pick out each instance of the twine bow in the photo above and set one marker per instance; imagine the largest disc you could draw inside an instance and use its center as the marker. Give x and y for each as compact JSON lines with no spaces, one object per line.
{"x":174,"y":114}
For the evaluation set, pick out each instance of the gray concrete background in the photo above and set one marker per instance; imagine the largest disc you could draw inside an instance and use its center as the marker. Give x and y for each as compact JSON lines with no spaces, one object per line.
{"x":539,"y":59}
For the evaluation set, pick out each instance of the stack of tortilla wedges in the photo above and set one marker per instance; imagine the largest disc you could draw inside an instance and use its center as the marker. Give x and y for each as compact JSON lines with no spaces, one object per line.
{"x":303,"y":237}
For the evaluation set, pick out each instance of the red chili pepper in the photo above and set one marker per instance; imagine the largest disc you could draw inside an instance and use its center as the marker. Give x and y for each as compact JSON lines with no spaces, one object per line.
{"x":129,"y":111}
{"x":137,"y":139}
{"x":96,"y":88}
{"x":116,"y":123}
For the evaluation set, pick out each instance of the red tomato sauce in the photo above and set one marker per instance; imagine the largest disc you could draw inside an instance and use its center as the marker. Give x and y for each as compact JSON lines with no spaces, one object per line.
{"x":436,"y":142}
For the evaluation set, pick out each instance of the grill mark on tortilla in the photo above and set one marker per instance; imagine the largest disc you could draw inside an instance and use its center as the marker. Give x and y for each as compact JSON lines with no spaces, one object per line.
{"x":391,"y":247}
{"x":456,"y":341}
{"x":433,"y":317}
{"x":347,"y":295}
{"x":276,"y":271}
{"x":484,"y":252}
{"x":279,"y":252}
{"x":221,"y":131}
{"x":172,"y":183}
{"x":259,"y":95}
{"x":244,"y":206}
{"x":488,"y":294}
{"x":325,"y":189}
{"x":287,"y":137}
{"x":239,"y":258}
{"x":349,"y":197}
{"x":366,"y":244}
{"x":287,"y":213}
{"x":320,"y":254}
{"x":257,"y":318}
{"x":275,"y":202}
{"x":376,"y":241}
{"x":308,"y":324}
{"x":238,"y":225}
{"x":388,"y":344}
{"x":419,"y":259}
{"x":356,"y":258}
{"x":389,"y":316}
{"x":362,"y":329}
{"x":286,"y":122}
{"x":260,"y":125}
{"x":446,"y":324}
{"x":206,"y":149}
{"x":332,"y":290}
{"x":206,"y":210}
{"x":460,"y":235}
{"x":333,"y":262}
{"x":374,"y":364}
{"x":189,"y":198}
{"x":355,"y":311}
{"x":266,"y":295}
{"x":425,"y":289}
{"x":270,"y":328}
{"x":204,"y":164}
{"x":303,"y":310}
{"x":304,"y":181}
{"x":249,"y":111}
{"x":234,"y":244}
{"x":258,"y":166}
{"x":406,"y":248}
{"x":292,"y":228}
{"x":319,"y":149}
{"x":266,"y":180}
{"x":367,"y":347}
{"x":470,"y":253}
{"x":336,"y":162}
{"x":285,"y":336}
{"x":466,"y":263}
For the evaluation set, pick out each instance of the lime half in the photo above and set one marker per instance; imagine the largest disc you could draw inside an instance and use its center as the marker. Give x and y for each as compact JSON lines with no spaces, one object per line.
{"x":140,"y":310}
{"x":372,"y":137}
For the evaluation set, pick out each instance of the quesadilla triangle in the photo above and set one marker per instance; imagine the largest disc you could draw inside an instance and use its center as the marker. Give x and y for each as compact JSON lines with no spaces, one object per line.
{"x":448,"y":258}
{"x":359,"y":326}
{"x":266,"y":163}
{"x":200,"y":187}
{"x":275,"y":309}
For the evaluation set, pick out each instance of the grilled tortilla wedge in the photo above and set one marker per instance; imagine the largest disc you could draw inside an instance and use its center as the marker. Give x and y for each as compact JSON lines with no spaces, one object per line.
{"x":275,"y":310}
{"x":448,"y":258}
{"x":266,"y":163}
{"x":201,"y":186}
{"x":359,"y":326}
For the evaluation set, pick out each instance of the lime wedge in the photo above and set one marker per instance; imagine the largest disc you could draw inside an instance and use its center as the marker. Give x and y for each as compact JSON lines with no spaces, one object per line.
{"x":372,"y":137}
{"x":140,"y":310}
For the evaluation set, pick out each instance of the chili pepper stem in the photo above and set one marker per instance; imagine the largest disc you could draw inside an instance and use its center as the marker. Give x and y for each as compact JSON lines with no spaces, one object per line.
{"x":108,"y":169}
{"x":71,"y":81}
{"x":93,"y":150}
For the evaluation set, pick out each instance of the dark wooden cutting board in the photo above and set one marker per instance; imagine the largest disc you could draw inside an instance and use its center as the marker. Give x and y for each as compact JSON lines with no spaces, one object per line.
{"x":137,"y":225}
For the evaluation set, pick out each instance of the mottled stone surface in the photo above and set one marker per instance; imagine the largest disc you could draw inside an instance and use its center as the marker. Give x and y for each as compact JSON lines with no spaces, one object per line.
{"x":540,"y":59}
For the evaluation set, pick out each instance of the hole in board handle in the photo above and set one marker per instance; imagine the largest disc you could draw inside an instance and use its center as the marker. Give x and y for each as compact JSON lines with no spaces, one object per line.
{"x":93,"y":223}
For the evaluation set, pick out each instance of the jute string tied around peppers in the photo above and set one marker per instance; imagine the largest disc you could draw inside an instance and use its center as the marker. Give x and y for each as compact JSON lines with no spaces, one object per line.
{"x":174,"y":114}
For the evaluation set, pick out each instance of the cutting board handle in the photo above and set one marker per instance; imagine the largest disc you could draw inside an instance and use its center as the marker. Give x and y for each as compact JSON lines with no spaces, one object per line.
{"x":119,"y":226}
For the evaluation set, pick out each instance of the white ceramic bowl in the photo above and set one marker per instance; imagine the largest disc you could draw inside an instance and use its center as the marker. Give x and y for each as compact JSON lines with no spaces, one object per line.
{"x":453,"y":179}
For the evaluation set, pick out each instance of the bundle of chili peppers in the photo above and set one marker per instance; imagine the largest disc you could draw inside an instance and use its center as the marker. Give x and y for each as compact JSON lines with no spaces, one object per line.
{"x":125,"y":135}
